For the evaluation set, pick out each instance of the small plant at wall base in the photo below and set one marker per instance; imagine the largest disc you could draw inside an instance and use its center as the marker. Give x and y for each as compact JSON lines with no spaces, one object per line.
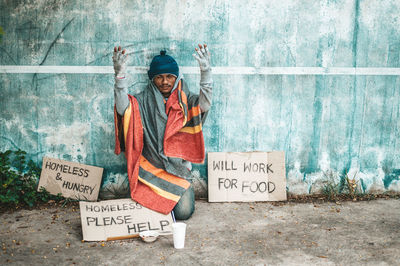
{"x":352,"y":186}
{"x":344,"y":188}
{"x":331,"y":188}
{"x":19,"y":179}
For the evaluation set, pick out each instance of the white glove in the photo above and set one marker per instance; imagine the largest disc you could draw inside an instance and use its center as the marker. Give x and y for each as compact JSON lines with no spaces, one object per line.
{"x":205,"y":95}
{"x":119,"y":59}
{"x":203,"y":57}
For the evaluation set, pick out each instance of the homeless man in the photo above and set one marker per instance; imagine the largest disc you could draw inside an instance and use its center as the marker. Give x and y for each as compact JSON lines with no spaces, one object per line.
{"x":160,"y":130}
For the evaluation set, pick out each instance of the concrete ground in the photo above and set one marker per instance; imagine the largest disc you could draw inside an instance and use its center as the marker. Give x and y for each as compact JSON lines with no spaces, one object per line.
{"x":348,"y":233}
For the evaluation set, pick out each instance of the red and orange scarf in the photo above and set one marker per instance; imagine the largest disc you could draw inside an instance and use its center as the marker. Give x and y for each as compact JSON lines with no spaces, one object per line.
{"x":150,"y":186}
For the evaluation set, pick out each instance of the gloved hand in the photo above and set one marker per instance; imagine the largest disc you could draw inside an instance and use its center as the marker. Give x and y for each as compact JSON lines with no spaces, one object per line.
{"x":119,"y":59}
{"x":203,"y":57}
{"x":205,"y":94}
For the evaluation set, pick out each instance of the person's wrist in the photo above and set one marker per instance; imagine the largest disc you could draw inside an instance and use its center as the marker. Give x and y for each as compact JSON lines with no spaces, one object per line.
{"x":119,"y":70}
{"x":120,"y":76}
{"x":205,"y":73}
{"x":206,"y":76}
{"x":205,"y":67}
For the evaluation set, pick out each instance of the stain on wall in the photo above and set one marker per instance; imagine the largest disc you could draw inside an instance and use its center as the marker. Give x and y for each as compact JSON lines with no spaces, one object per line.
{"x":324,"y":123}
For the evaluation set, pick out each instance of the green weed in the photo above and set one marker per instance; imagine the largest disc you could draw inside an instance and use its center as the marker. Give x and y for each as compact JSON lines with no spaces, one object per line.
{"x":331,"y":187}
{"x":19,"y":179}
{"x":342,"y":186}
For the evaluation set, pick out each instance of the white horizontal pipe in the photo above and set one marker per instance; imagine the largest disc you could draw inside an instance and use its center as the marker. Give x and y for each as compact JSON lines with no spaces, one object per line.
{"x":360,"y":71}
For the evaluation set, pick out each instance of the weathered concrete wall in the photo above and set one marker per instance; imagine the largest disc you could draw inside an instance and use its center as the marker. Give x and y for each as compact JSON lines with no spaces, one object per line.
{"x":323,"y":122}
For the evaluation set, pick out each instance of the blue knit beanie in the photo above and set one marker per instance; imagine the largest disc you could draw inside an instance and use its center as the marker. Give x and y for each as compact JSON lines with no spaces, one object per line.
{"x":163,"y":64}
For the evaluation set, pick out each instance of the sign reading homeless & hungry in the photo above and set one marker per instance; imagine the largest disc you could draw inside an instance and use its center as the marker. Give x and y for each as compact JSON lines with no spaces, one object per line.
{"x":72,"y":180}
{"x":246,"y":176}
{"x":119,"y":219}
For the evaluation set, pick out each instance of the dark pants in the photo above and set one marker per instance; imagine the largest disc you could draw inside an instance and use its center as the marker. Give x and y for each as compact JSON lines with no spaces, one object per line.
{"x":185,"y":207}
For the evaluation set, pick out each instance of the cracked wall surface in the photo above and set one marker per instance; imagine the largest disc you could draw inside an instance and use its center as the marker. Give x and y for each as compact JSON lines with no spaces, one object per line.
{"x":324,"y":123}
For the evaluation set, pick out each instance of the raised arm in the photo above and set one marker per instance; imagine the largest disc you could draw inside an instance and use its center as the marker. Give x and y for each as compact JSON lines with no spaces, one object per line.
{"x":121,"y":83}
{"x":202,"y":56}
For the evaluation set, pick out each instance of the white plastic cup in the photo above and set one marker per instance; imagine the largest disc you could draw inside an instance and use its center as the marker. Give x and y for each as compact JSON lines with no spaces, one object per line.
{"x":178,"y":232}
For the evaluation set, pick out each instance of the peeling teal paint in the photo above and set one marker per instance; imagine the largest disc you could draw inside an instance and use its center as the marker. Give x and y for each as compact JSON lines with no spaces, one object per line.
{"x":316,"y":122}
{"x":390,"y":177}
{"x":355,"y":31}
{"x":340,"y":123}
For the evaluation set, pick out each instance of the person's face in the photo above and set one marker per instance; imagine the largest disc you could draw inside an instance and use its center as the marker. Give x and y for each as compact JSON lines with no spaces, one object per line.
{"x":164,"y":83}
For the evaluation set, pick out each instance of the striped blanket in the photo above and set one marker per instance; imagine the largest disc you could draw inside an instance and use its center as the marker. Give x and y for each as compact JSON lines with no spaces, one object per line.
{"x":156,"y":137}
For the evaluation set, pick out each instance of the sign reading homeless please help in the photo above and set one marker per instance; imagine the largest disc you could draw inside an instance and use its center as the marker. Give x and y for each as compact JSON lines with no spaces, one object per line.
{"x":72,"y":180}
{"x":120,"y":219}
{"x":246,"y":176}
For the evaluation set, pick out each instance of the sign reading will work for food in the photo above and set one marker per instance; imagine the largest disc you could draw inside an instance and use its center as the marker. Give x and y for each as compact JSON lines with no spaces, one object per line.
{"x":246,"y":176}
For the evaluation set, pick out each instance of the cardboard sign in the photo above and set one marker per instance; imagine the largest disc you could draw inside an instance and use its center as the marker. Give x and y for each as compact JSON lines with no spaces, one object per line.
{"x":72,"y":180}
{"x":246,"y":176}
{"x":120,"y":219}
